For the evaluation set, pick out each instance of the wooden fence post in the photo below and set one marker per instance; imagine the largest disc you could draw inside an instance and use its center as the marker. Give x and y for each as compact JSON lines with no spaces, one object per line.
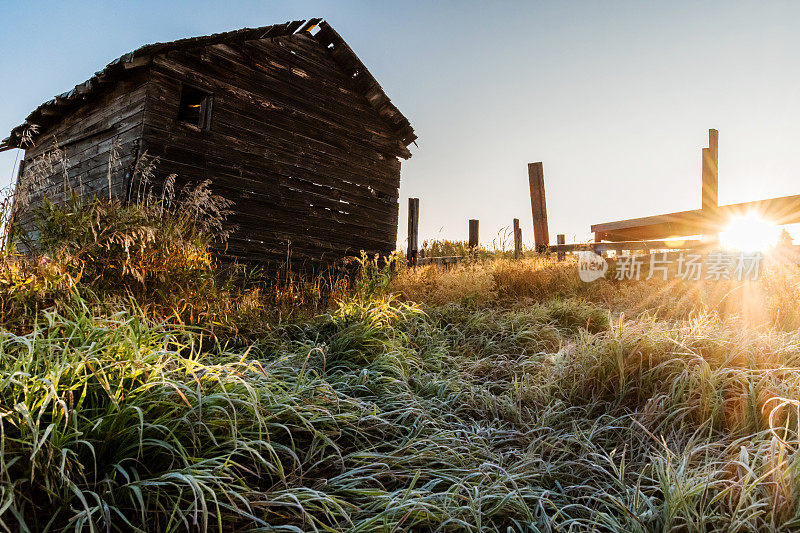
{"x":413,"y":231}
{"x":517,"y":239}
{"x":597,"y":248}
{"x":473,"y":234}
{"x":541,"y":236}
{"x":560,"y":249}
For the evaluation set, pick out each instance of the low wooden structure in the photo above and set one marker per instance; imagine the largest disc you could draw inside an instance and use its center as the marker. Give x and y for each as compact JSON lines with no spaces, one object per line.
{"x":709,"y":220}
{"x":783,"y":210}
{"x":285,"y":121}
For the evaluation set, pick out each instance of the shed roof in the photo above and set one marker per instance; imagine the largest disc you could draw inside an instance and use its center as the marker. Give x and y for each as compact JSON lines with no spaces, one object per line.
{"x":53,"y":110}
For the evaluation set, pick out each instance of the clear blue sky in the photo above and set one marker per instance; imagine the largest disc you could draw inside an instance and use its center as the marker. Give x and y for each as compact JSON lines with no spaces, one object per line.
{"x":614,"y":97}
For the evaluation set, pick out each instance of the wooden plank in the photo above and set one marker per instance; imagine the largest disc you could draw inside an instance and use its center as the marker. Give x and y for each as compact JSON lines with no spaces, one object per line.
{"x":413,"y":231}
{"x":541,"y":236}
{"x":682,"y":217}
{"x":603,"y":247}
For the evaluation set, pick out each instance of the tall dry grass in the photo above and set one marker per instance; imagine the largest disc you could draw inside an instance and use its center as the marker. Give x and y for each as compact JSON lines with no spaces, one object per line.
{"x":771,"y":300}
{"x":499,"y":396}
{"x":142,"y":389}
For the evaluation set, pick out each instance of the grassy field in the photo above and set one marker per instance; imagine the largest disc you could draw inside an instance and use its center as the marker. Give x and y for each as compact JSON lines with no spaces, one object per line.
{"x":141,"y":389}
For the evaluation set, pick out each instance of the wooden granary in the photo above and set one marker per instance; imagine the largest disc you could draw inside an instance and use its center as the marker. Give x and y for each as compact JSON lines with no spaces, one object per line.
{"x":285,"y":121}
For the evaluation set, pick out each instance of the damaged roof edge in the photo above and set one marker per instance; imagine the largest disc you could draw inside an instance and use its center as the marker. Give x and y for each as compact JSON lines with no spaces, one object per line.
{"x":115,"y":71}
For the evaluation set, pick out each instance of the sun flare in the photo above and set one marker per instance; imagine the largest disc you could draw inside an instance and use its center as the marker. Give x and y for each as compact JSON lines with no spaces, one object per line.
{"x":750,"y":233}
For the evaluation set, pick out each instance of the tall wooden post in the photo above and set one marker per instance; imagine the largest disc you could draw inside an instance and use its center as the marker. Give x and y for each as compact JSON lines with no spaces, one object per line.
{"x":560,"y":248}
{"x":711,"y":173}
{"x":541,"y":236}
{"x":413,"y":231}
{"x":473,"y":234}
{"x":710,"y":203}
{"x":517,"y":239}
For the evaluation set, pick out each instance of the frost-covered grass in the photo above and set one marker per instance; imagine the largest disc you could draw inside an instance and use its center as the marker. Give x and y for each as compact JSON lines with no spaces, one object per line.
{"x":497,"y":395}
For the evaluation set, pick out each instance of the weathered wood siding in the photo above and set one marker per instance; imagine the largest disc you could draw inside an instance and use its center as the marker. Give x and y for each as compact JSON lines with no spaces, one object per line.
{"x":73,"y":156}
{"x":310,"y":166}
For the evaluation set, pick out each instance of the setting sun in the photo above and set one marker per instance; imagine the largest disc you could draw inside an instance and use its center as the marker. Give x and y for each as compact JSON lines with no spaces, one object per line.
{"x":749,"y":232}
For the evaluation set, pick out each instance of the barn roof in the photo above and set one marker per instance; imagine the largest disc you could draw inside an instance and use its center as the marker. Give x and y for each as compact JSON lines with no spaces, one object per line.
{"x":53,"y":110}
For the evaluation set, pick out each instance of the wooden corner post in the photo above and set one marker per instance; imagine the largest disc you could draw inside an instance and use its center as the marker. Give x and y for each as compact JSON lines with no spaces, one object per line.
{"x":560,"y":248}
{"x":517,"y":239}
{"x":710,"y":193}
{"x":538,"y":207}
{"x":413,"y":231}
{"x":710,"y":196}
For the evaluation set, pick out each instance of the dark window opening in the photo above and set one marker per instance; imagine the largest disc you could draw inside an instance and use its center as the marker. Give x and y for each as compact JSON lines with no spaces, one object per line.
{"x":195,"y":107}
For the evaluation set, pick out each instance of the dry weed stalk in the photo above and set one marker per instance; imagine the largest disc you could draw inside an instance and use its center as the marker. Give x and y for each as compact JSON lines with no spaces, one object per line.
{"x":34,"y":183}
{"x":207,"y":210}
{"x":193,"y":201}
{"x":113,"y":158}
{"x":142,"y":179}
